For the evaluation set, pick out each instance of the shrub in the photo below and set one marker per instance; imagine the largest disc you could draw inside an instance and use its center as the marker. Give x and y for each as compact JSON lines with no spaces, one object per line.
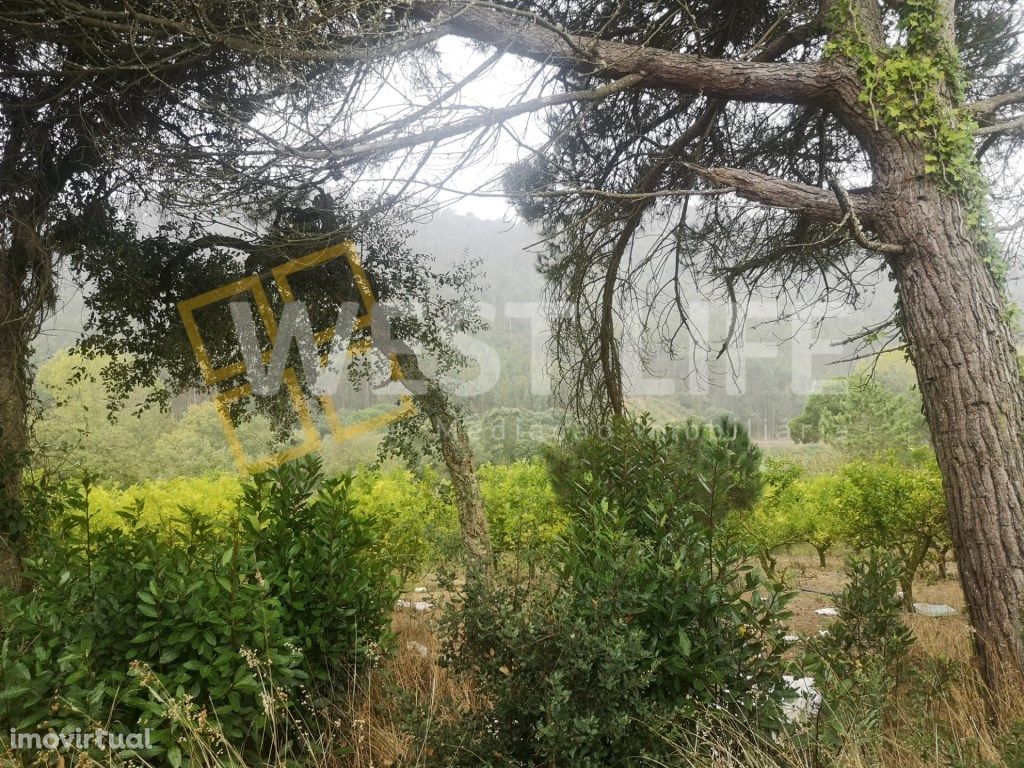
{"x":710,"y":469}
{"x":414,"y":515}
{"x":652,"y":618}
{"x":769,"y":526}
{"x":898,"y":508}
{"x":319,"y":560}
{"x":224,"y":617}
{"x":870,"y":630}
{"x":161,"y":501}
{"x":815,"y":509}
{"x":859,"y":661}
{"x":524,"y":514}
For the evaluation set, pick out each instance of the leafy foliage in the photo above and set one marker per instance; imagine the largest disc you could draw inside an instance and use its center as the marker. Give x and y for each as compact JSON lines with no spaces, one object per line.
{"x":166,"y":503}
{"x":860,"y":660}
{"x":692,"y":468}
{"x":652,"y":616}
{"x":77,"y":429}
{"x":135,"y":630}
{"x":900,"y":509}
{"x":794,"y":509}
{"x":419,"y":527}
{"x":525,"y":516}
{"x":872,"y":412}
{"x":862,"y":504}
{"x":414,"y":514}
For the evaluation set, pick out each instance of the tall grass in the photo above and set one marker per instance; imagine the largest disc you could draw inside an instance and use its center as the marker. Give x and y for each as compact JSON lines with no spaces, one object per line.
{"x":938,"y":716}
{"x":384,"y":719}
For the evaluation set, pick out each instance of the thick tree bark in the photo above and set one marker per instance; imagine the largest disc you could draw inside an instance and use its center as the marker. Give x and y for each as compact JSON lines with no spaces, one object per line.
{"x":458,"y":459}
{"x":954,"y":321}
{"x":457,"y":454}
{"x":13,"y":423}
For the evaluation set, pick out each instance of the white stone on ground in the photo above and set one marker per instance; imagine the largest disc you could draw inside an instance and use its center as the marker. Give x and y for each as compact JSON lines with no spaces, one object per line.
{"x":933,"y":609}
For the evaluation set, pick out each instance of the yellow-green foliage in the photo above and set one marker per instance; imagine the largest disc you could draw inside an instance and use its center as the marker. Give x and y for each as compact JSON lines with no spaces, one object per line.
{"x":414,"y":516}
{"x":794,"y":509}
{"x":161,"y":501}
{"x":863,"y":504}
{"x":418,"y":523}
{"x":524,"y":515}
{"x":414,"y":513}
{"x":899,"y":508}
{"x":814,"y":509}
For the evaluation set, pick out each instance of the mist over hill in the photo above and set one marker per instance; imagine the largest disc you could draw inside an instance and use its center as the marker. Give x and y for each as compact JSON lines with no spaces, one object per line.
{"x":763,"y":381}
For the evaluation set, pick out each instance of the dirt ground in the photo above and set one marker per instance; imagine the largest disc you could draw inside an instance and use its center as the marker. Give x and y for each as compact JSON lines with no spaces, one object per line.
{"x":947,"y":636}
{"x":944,"y":637}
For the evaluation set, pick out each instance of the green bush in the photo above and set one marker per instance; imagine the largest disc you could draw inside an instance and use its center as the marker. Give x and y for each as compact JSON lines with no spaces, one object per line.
{"x":651,"y":619}
{"x":414,"y":515}
{"x":524,"y":514}
{"x":218,"y":622}
{"x":897,"y":508}
{"x":161,"y":501}
{"x":694,"y":468}
{"x":419,"y":526}
{"x":770,"y":525}
{"x":859,"y":662}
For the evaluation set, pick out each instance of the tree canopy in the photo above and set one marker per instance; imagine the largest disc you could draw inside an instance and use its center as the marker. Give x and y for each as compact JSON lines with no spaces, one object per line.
{"x":798,"y":150}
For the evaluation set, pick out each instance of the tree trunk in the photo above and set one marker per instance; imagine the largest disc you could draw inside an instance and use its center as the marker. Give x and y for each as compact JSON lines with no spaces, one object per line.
{"x":13,"y":424}
{"x":458,"y":459}
{"x":457,"y":454}
{"x":914,"y":560}
{"x":907,"y":588}
{"x":954,"y":322}
{"x":822,"y":562}
{"x":943,"y":554}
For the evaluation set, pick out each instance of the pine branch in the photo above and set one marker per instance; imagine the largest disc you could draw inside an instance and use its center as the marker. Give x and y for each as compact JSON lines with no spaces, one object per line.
{"x":523,"y":35}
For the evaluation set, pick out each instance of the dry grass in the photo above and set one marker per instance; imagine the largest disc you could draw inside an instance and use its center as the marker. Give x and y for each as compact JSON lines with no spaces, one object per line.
{"x":409,"y":684}
{"x":946,"y":725}
{"x":939,"y":718}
